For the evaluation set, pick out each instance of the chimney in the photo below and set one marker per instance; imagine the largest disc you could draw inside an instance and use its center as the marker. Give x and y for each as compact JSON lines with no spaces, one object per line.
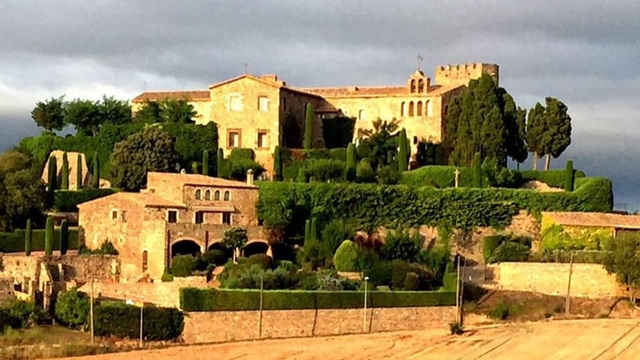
{"x":250,"y":177}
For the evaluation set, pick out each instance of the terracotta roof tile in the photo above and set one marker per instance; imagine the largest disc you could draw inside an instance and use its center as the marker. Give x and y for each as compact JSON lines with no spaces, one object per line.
{"x":142,"y":199}
{"x":372,"y":91}
{"x":193,"y":95}
{"x":196,"y":179}
{"x":595,"y":219}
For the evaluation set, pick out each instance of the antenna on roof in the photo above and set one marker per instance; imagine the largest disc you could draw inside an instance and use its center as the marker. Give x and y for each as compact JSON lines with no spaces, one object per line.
{"x":420,"y":60}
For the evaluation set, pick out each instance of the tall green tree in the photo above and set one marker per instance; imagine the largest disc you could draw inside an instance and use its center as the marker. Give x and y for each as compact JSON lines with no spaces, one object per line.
{"x":220,"y":163}
{"x":84,"y":115}
{"x":95,"y":179}
{"x":205,"y":162}
{"x":477,"y":171}
{"x":28,"y":238}
{"x":277,"y":164}
{"x":569,"y":176}
{"x":53,"y":174}
{"x":308,"y":127}
{"x":621,"y":258}
{"x":515,"y":129}
{"x":557,"y":134}
{"x":380,"y":144}
{"x":114,"y":111}
{"x":351,"y":162}
{"x":64,"y":237}
{"x":149,"y":150}
{"x":64,"y":182}
{"x":48,"y":236}
{"x":49,"y":114}
{"x":22,"y":196}
{"x":535,"y":132}
{"x":149,"y":113}
{"x":79,"y":177}
{"x":177,"y":111}
{"x":403,"y":151}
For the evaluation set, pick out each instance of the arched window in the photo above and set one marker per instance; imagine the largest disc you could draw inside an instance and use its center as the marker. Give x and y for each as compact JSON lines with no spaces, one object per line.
{"x":227,"y":195}
{"x":216,"y":195}
{"x":402,"y":108}
{"x":421,"y":86}
{"x":419,"y":108}
{"x":207,"y":194}
{"x":411,"y":108}
{"x":429,"y":109}
{"x":198,"y":194}
{"x":413,"y":85}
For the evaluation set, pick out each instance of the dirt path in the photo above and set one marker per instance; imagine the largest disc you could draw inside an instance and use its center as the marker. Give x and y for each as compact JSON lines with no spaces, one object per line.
{"x":576,"y":339}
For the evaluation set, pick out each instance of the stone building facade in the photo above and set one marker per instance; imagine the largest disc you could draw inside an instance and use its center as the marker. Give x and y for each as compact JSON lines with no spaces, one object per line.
{"x":175,"y":214}
{"x":262,"y":112}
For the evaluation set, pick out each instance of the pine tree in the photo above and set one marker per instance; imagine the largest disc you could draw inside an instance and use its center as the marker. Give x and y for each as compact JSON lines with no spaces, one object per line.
{"x":205,"y":162}
{"x":569,"y":176}
{"x":79,"y":177}
{"x":95,"y":179}
{"x":351,"y":162}
{"x":277,"y":164}
{"x":219,"y":162}
{"x":28,"y":238}
{"x":64,"y":183}
{"x":64,"y":237}
{"x":535,"y":132}
{"x":308,"y":127}
{"x":48,"y":237}
{"x":403,"y":156}
{"x":557,"y":132}
{"x":477,"y":171}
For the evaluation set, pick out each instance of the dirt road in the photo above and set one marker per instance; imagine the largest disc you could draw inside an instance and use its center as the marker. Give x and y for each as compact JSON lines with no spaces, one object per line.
{"x":577,"y":339}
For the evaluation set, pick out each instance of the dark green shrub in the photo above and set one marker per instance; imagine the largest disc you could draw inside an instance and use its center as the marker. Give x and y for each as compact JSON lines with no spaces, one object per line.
{"x":477,"y":171}
{"x":338,"y":131}
{"x":264,"y":261}
{"x":106,"y":248}
{"x":449,"y":281}
{"x":338,"y":154}
{"x":324,"y":169}
{"x":334,"y":233}
{"x":569,"y":176}
{"x":219,"y":163}
{"x":401,"y":245}
{"x":437,"y":176}
{"x":510,"y":251}
{"x":308,"y":126}
{"x":411,"y":282}
{"x":425,"y":277}
{"x":67,"y":201}
{"x":437,"y":259}
{"x":500,"y":312}
{"x":351,"y":162}
{"x":124,"y":321}
{"x":15,"y":241}
{"x":403,"y":151}
{"x":28,"y":239}
{"x":205,"y":163}
{"x":364,"y":172}
{"x":64,"y":182}
{"x":53,"y":174}
{"x":48,"y":237}
{"x":216,"y":257}
{"x":490,"y":244}
{"x":72,"y":308}
{"x":388,"y":175}
{"x":64,"y":237}
{"x":380,"y":273}
{"x":167,"y":276}
{"x":346,"y":256}
{"x":183,"y":265}
{"x":95,"y":179}
{"x":277,"y":164}
{"x":23,"y":314}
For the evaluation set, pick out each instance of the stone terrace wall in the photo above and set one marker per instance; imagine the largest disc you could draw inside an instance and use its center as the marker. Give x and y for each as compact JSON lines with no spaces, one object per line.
{"x":82,"y":268}
{"x":587,"y":280}
{"x":19,"y":266}
{"x":205,"y":327}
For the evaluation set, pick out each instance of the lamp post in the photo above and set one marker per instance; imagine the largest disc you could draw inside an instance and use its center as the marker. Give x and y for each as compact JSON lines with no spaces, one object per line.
{"x":364,"y":317}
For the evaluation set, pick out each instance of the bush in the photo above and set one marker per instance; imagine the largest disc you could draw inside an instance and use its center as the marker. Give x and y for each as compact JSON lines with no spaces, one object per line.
{"x":334,"y":233}
{"x":124,"y":321}
{"x":200,"y":299}
{"x":500,"y":312}
{"x":380,"y":273}
{"x":167,"y":276}
{"x":67,"y":201}
{"x":490,"y":244}
{"x":106,"y":248}
{"x":388,"y":175}
{"x":510,"y":251}
{"x":264,"y":261}
{"x":424,"y":279}
{"x":22,"y":314}
{"x":183,"y":265}
{"x":72,"y":308}
{"x":324,"y":170}
{"x":15,"y":241}
{"x":441,"y":176}
{"x":346,"y":256}
{"x":364,"y":172}
{"x":216,"y":257}
{"x":401,"y":245}
{"x":337,"y":132}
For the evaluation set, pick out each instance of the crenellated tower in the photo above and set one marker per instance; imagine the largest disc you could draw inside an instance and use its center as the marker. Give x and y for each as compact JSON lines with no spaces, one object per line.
{"x":463,"y":73}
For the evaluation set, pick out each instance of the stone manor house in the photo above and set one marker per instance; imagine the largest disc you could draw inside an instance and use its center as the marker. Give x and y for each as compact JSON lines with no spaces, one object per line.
{"x":175,"y":214}
{"x":262,"y":112}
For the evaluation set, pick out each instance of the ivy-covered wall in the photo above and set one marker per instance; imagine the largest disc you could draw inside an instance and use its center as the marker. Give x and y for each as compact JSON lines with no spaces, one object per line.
{"x":562,"y":237}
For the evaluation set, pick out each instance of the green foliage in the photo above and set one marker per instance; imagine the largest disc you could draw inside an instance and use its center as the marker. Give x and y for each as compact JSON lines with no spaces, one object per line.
{"x":351,"y":162}
{"x":123,"y":321}
{"x":500,"y":177}
{"x":277,"y":164}
{"x":205,"y":163}
{"x":238,"y":163}
{"x":95,"y":179}
{"x":216,"y":257}
{"x":64,"y":182}
{"x":401,"y":245}
{"x":380,"y":145}
{"x":388,"y":175}
{"x":49,"y":114}
{"x":557,"y":132}
{"x":14,"y":242}
{"x":167,"y":276}
{"x":500,"y":312}
{"x":150,"y":150}
{"x":72,"y":308}
{"x":338,"y":131}
{"x":200,"y":299}
{"x":510,"y":251}
{"x":191,"y":140}
{"x":183,"y":265}
{"x":219,"y":163}
{"x":334,"y":233}
{"x":67,"y":201}
{"x":48,"y":237}
{"x":420,"y":278}
{"x":79,"y":177}
{"x":22,"y":314}
{"x":53,"y":175}
{"x":324,"y":170}
{"x":477,"y":171}
{"x":535,"y":132}
{"x":403,"y":151}
{"x":555,"y":237}
{"x":308,"y":126}
{"x":346,"y":256}
{"x":364,"y":172}
{"x":28,"y":239}
{"x":442,"y":176}
{"x":564,"y":256}
{"x":22,"y":196}
{"x":569,"y":176}
{"x":106,"y":248}
{"x":553,"y":178}
{"x":234,"y":238}
{"x":622,"y":259}
{"x":64,"y":237}
{"x":490,"y":244}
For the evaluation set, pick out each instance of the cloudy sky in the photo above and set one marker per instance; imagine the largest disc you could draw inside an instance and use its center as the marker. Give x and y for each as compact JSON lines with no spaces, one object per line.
{"x":582,"y":52}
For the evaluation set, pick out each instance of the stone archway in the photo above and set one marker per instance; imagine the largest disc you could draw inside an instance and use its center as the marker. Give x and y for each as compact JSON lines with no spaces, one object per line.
{"x":256,"y":247}
{"x":185,"y":247}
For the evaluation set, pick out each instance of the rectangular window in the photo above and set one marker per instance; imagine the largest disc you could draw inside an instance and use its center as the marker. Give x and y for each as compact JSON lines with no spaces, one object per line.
{"x":114,"y":214}
{"x":226,"y":218}
{"x":199,"y":217}
{"x":172,"y":216}
{"x":263,"y":103}
{"x":123,"y":216}
{"x":235,"y":102}
{"x":263,"y":140}
{"x":233,"y":139}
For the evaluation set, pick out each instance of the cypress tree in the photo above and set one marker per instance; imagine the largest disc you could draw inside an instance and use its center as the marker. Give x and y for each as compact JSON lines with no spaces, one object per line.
{"x":313,"y":231}
{"x":477,"y":171}
{"x":53,"y":174}
{"x":96,"y":172}
{"x":48,"y":237}
{"x":569,"y":176}
{"x":351,"y":162}
{"x":277,"y":164}
{"x":205,"y":162}
{"x":28,"y":236}
{"x":302,"y":178}
{"x":403,"y":156}
{"x":79,"y":177}
{"x":64,"y":237}
{"x":307,"y":230}
{"x":219,"y":160}
{"x":308,"y":127}
{"x":64,"y":183}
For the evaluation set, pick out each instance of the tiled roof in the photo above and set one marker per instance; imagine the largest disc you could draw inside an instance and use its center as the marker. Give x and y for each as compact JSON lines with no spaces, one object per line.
{"x":193,"y":95}
{"x":142,"y":199}
{"x":195,"y":179}
{"x":609,"y":220}
{"x":374,"y":91}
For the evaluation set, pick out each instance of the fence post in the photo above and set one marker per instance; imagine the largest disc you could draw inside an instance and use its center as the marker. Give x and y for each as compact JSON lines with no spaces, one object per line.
{"x":567,"y":305}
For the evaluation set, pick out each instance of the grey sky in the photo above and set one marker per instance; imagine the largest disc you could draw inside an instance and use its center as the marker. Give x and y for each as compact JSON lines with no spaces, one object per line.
{"x":583,"y":52}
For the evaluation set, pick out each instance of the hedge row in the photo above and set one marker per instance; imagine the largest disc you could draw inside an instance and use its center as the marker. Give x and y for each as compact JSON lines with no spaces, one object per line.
{"x":372,"y":206}
{"x":197,"y":299}
{"x":14,"y":242}
{"x":123,"y":321}
{"x":68,"y":200}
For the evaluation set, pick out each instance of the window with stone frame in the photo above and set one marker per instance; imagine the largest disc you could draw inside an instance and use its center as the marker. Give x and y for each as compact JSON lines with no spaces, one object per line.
{"x":263,"y":103}
{"x":227,"y":195}
{"x":234,"y":138}
{"x":198,"y":194}
{"x":235,"y":102}
{"x":263,"y":139}
{"x":207,"y":194}
{"x":114,"y":214}
{"x":199,"y":217}
{"x":216,"y":196}
{"x":172,"y":216}
{"x":226,"y":218}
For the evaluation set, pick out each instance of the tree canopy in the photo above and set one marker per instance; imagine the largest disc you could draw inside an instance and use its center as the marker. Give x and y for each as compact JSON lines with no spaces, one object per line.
{"x":380,"y":144}
{"x":49,"y":114}
{"x":623,"y":258}
{"x":166,"y":111}
{"x":548,"y":130}
{"x":22,"y":192}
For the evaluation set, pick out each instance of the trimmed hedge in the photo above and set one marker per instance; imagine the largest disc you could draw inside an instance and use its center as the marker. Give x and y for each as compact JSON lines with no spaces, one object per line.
{"x":120,"y":320}
{"x":490,"y":244}
{"x":554,"y":178}
{"x":68,"y":200}
{"x":198,"y":299}
{"x":14,"y":242}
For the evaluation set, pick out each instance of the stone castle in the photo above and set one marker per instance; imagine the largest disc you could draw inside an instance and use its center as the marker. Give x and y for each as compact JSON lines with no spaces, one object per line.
{"x":260,"y":112}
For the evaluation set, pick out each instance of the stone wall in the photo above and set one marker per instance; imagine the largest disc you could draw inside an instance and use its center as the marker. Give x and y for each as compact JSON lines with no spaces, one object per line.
{"x":6,"y":288}
{"x":587,"y":280}
{"x":81,"y":268}
{"x":205,"y":327}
